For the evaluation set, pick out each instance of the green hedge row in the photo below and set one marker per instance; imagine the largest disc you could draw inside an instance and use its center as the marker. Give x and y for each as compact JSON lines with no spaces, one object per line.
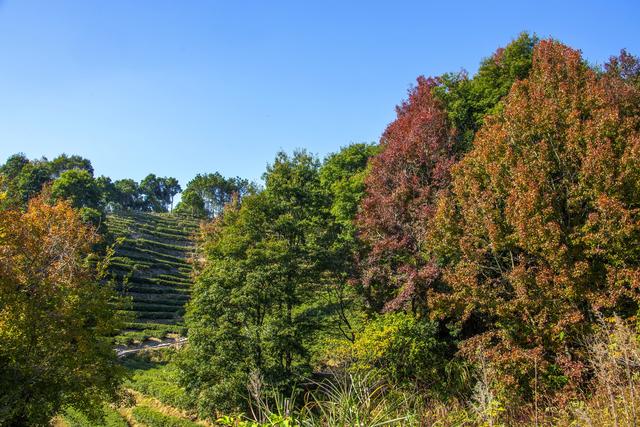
{"x":75,"y":418}
{"x":152,"y":418}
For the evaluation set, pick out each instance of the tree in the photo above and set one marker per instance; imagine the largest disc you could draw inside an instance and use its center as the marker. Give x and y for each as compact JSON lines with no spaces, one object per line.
{"x":214,"y":190}
{"x":72,"y":177}
{"x":128,"y":194}
{"x":401,"y":188}
{"x":64,"y":163}
{"x":540,"y":230}
{"x":153,"y":194}
{"x":30,"y":181}
{"x":192,"y":204}
{"x":252,"y":306}
{"x":467,"y":101}
{"x":55,"y":316}
{"x":9,"y":173}
{"x":13,"y":166}
{"x":108,"y":193}
{"x":624,"y":67}
{"x":343,"y":174}
{"x":172,"y":187}
{"x":23,"y":179}
{"x":342,"y":177}
{"x":77,"y":186}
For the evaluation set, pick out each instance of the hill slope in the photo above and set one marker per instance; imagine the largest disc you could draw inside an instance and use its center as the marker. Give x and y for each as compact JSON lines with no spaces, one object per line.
{"x":151,"y":266}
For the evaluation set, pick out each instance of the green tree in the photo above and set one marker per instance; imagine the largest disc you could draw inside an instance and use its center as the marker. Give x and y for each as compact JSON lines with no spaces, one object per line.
{"x":55,"y":316}
{"x":191,"y":204}
{"x":342,"y":177}
{"x":127,"y":194}
{"x":23,"y":179}
{"x":342,"y":174}
{"x":171,"y":188}
{"x":13,"y":166}
{"x":213,"y":191}
{"x":31,"y":180}
{"x":153,"y":193}
{"x":77,"y":186}
{"x":108,"y":193}
{"x":64,"y":163}
{"x":468,"y":101}
{"x":9,"y":173}
{"x":252,"y":306}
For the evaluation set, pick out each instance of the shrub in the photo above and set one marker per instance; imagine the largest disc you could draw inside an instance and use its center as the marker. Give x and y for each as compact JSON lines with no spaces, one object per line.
{"x":75,"y":418}
{"x":404,"y":350}
{"x":161,"y":382}
{"x":152,"y":418}
{"x":358,"y":400}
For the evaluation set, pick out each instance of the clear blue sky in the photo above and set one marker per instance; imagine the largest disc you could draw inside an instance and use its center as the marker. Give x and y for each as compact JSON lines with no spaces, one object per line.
{"x":181,"y":87}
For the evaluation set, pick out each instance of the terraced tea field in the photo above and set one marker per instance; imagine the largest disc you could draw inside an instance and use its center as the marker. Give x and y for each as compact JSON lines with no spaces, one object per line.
{"x":151,"y":266}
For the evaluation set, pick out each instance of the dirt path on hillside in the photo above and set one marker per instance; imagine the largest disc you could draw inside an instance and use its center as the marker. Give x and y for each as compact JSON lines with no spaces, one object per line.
{"x":121,"y":352}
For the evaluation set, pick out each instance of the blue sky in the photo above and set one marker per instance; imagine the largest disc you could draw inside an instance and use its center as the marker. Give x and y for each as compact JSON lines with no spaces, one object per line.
{"x":182,"y":87}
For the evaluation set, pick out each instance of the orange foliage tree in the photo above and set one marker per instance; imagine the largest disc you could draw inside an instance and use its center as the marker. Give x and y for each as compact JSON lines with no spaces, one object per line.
{"x":539,"y":231}
{"x":54,"y":315}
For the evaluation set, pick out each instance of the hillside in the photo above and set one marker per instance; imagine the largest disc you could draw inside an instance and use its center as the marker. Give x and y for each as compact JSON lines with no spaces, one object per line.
{"x":151,"y":267}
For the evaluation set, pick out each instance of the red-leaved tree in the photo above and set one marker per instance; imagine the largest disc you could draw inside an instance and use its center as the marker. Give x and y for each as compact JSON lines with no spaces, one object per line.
{"x":404,"y":179}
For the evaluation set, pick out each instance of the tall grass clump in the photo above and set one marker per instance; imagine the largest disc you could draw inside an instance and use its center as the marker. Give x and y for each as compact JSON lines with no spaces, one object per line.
{"x":614,"y":359}
{"x":354,"y":400}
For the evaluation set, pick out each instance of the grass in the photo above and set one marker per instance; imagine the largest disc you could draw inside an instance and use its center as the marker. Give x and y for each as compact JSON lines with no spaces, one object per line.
{"x":153,"y":418}
{"x":74,"y":418}
{"x":159,"y":380}
{"x":156,"y":397}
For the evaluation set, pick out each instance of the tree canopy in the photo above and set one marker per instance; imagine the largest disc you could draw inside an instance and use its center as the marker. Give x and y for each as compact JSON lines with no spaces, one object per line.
{"x":252,"y":304}
{"x":207,"y":194}
{"x":56,"y":316}
{"x":481,"y":260}
{"x":406,"y":176}
{"x":538,"y":232}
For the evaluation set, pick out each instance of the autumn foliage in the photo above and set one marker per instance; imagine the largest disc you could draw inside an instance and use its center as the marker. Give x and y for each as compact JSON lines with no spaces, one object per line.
{"x":54,"y":315}
{"x":520,"y":242}
{"x":404,"y":180}
{"x":539,"y":233}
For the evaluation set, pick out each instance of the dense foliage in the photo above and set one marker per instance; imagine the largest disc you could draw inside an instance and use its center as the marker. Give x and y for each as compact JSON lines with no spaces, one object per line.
{"x":469,"y":100}
{"x":495,"y":222}
{"x":250,"y":309}
{"x":540,"y":230}
{"x":405,"y":178}
{"x":72,"y":178}
{"x":55,"y":316}
{"x":207,"y":194}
